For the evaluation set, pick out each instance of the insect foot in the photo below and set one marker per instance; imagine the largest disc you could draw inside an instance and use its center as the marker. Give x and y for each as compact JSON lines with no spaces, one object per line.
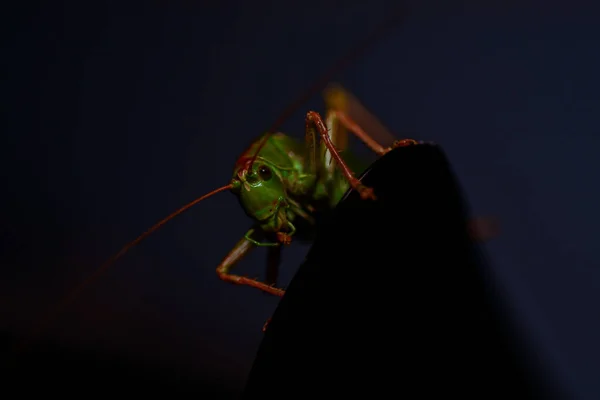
{"x":404,"y":143}
{"x":284,"y":238}
{"x":400,"y":143}
{"x":366,"y":192}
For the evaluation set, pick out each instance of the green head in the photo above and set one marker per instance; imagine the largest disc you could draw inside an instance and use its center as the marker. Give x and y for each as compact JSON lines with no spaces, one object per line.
{"x":260,"y":188}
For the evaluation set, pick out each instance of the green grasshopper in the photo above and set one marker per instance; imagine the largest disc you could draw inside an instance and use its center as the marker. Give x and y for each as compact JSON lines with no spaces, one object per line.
{"x":281,"y":182}
{"x":283,"y":185}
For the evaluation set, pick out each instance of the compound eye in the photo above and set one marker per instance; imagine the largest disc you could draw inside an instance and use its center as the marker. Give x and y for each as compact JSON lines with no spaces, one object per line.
{"x":265,"y":173}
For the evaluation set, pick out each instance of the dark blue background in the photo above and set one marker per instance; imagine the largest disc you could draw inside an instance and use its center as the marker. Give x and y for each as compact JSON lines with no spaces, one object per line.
{"x":117,"y":115}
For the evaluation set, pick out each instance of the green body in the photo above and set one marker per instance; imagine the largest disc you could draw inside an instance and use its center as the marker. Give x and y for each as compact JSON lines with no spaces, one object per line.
{"x":285,"y":184}
{"x":294,"y":188}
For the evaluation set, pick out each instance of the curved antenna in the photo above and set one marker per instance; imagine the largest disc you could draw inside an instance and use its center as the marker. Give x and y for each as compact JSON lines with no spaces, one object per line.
{"x":354,"y":53}
{"x":56,"y":310}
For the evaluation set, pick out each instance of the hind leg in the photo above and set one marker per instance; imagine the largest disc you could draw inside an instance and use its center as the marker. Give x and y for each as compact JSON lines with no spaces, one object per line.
{"x":364,"y":136}
{"x":346,"y":113}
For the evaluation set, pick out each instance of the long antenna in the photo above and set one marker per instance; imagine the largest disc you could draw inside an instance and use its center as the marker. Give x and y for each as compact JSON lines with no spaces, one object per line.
{"x":315,"y":87}
{"x":56,"y":310}
{"x":321,"y":83}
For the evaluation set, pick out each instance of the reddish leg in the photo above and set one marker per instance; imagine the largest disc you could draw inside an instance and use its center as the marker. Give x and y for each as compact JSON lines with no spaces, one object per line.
{"x":402,"y":143}
{"x":344,"y":108}
{"x":238,"y":252}
{"x":364,"y":136}
{"x":314,"y":119}
{"x":273,"y":261}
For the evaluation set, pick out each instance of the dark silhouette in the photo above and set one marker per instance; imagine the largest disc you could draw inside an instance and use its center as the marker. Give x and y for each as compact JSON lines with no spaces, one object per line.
{"x":394,"y":296}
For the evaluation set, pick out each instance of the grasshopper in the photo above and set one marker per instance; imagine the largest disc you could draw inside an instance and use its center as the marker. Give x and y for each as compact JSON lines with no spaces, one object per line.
{"x":283,"y":184}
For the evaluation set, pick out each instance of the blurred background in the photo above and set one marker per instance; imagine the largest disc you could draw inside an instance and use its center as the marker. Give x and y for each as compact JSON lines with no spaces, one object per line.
{"x":116,"y":114}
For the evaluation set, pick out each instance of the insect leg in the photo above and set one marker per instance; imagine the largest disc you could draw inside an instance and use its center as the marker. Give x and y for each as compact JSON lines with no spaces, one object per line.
{"x":313,"y":119}
{"x":364,"y":136}
{"x":273,"y":261}
{"x":346,"y":109}
{"x":237,"y":253}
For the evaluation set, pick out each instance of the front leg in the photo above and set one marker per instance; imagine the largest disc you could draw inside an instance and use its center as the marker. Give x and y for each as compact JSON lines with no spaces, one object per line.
{"x":314,"y":119}
{"x":237,"y":253}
